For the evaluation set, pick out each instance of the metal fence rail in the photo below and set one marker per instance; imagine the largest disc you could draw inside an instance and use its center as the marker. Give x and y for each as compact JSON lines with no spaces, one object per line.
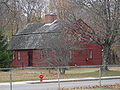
{"x":57,"y":74}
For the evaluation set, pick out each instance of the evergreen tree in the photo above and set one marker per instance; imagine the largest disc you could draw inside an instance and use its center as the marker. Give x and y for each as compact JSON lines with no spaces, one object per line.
{"x":5,"y":56}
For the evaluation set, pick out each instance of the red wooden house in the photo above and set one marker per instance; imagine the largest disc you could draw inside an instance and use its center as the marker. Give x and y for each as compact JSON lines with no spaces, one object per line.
{"x":28,"y":44}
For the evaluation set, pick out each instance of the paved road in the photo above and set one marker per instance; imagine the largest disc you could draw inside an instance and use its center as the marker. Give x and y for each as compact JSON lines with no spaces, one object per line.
{"x":54,"y":86}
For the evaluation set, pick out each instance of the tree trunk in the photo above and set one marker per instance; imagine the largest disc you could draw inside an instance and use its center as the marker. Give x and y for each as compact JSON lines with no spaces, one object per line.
{"x":49,"y":71}
{"x":106,"y":54}
{"x":62,"y":70}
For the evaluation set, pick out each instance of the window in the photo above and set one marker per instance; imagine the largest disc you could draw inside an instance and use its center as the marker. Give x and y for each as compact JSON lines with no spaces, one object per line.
{"x":90,"y":54}
{"x":80,"y":51}
{"x":69,"y":37}
{"x":18,"y":55}
{"x":45,"y":53}
{"x":79,"y":37}
{"x":13,"y":55}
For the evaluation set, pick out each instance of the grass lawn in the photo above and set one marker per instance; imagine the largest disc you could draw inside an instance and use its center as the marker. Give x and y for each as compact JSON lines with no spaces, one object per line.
{"x":32,"y":74}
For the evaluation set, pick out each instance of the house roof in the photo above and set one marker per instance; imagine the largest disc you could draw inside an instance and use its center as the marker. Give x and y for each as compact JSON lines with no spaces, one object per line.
{"x":33,"y":36}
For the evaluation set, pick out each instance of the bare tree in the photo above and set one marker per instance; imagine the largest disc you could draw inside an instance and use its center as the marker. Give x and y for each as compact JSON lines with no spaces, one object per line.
{"x":56,"y":51}
{"x":32,"y":9}
{"x":10,"y":19}
{"x":15,"y":14}
{"x":102,"y":15}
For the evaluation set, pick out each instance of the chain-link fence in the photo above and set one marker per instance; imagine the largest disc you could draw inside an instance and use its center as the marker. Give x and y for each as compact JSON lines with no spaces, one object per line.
{"x":27,"y":78}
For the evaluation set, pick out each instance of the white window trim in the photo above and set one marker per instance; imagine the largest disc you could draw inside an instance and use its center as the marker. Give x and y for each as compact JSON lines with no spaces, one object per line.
{"x":90,"y":54}
{"x":19,"y":56}
{"x":13,"y":55}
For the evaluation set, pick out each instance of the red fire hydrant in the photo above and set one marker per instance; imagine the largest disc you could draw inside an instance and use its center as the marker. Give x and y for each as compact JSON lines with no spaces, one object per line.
{"x":41,"y":77}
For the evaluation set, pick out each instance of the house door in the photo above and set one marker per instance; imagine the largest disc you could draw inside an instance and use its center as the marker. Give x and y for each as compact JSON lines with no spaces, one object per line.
{"x":30,"y":58}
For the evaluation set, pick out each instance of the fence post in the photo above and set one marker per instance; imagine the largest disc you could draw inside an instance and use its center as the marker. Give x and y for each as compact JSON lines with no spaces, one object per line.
{"x":10,"y":79}
{"x":100,"y":74}
{"x":58,"y":73}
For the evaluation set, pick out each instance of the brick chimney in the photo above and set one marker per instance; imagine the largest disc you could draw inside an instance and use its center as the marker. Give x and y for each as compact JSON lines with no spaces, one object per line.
{"x":49,"y":18}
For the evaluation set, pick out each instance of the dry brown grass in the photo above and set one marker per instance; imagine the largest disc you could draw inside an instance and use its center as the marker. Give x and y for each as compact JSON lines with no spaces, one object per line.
{"x":32,"y":74}
{"x":104,"y":87}
{"x":26,"y":74}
